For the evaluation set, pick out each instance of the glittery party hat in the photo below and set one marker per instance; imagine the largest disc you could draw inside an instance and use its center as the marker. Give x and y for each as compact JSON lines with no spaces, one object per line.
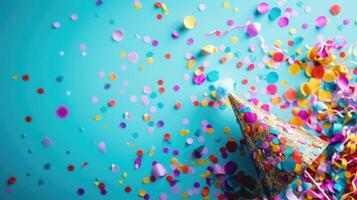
{"x":280,"y":150}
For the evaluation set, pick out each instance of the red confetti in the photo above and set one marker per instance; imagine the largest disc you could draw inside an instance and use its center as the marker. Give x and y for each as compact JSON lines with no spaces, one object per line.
{"x":70,"y":168}
{"x":28,"y":119}
{"x":278,"y":57}
{"x":11,"y":180}
{"x":40,"y":90}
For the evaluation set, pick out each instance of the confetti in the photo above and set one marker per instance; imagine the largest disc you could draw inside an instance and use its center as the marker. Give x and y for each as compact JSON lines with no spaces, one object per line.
{"x":150,"y":105}
{"x":118,"y":35}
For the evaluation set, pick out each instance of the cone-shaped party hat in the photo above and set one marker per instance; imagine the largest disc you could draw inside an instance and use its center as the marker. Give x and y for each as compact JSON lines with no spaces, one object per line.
{"x":280,"y":150}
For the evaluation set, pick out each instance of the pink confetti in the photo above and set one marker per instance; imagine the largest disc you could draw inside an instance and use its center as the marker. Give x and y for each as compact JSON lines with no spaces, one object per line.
{"x":62,"y":112}
{"x":263,"y":8}
{"x":283,"y":22}
{"x":253,"y":29}
{"x":272,"y":89}
{"x":118,"y":35}
{"x":133,"y":57}
{"x":321,"y":21}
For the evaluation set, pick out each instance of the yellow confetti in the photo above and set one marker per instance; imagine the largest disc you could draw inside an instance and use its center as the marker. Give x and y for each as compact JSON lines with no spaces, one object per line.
{"x":198,"y":72}
{"x":174,"y":161}
{"x":308,"y":70}
{"x":294,"y":69}
{"x":234,"y":40}
{"x":146,"y":180}
{"x":210,"y":130}
{"x":137,"y":5}
{"x":324,"y":95}
{"x":184,"y":132}
{"x":297,"y":121}
{"x":164,"y":8}
{"x":329,"y":76}
{"x":189,"y":22}
{"x":284,"y":83}
{"x":204,"y":103}
{"x":226,"y":4}
{"x":142,"y":193}
{"x":292,"y":31}
{"x":150,"y":60}
{"x":277,"y":43}
{"x":191,"y":63}
{"x":122,"y":54}
{"x":226,"y":130}
{"x":209,"y":49}
{"x":184,"y":195}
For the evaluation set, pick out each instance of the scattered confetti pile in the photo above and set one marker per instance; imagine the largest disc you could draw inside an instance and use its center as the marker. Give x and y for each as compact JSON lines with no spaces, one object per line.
{"x":128,"y":100}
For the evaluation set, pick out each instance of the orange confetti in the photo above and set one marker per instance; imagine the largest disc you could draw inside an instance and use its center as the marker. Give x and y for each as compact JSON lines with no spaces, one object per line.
{"x":297,"y":121}
{"x":290,"y":94}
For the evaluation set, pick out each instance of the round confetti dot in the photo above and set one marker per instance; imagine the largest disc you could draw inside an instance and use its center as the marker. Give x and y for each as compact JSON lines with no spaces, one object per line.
{"x":25,"y":77}
{"x":189,"y":141}
{"x":74,"y":17}
{"x":28,"y":119}
{"x":230,"y":167}
{"x":167,"y":137}
{"x":80,"y":191}
{"x":321,"y":21}
{"x":230,"y":22}
{"x":318,"y":72}
{"x":70,"y":168}
{"x":56,"y":25}
{"x":176,"y":88}
{"x":290,"y":94}
{"x":283,"y":22}
{"x":232,"y":146}
{"x":178,"y":105}
{"x":278,"y":57}
{"x":263,"y":7}
{"x":272,"y":77}
{"x":250,"y":117}
{"x":288,"y":165}
{"x":118,"y":35}
{"x":201,"y":7}
{"x":253,"y":29}
{"x":274,"y":13}
{"x":335,"y":9}
{"x":62,"y":112}
{"x":294,"y":69}
{"x":46,"y":142}
{"x":213,"y":76}
{"x":127,"y":189}
{"x":11,"y":180}
{"x":40,"y":90}
{"x":140,"y":152}
{"x":133,"y":57}
{"x":271,"y":89}
{"x":189,"y":22}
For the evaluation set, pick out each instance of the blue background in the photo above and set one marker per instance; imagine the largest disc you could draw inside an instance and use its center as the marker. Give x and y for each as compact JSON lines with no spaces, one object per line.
{"x":29,"y":45}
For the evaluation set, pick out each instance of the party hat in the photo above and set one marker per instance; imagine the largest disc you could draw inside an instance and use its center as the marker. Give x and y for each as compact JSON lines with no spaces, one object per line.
{"x":280,"y":150}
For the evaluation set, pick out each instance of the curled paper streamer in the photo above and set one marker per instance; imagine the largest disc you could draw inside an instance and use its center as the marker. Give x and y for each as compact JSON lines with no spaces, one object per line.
{"x":220,"y":33}
{"x":252,"y":30}
{"x":353,"y":193}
